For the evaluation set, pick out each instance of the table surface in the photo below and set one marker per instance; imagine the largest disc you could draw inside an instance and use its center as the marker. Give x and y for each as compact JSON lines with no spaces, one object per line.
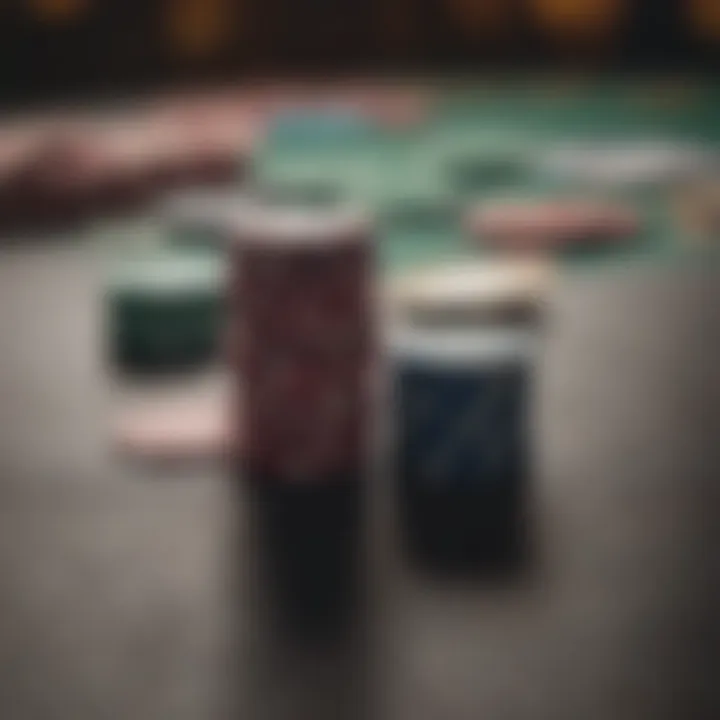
{"x":115,"y":592}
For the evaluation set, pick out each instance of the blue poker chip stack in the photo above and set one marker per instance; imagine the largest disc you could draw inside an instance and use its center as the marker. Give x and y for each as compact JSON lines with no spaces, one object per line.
{"x":463,"y":348}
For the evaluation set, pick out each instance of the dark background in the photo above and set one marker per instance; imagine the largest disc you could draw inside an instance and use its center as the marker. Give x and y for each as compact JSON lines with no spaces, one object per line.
{"x":126,"y":44}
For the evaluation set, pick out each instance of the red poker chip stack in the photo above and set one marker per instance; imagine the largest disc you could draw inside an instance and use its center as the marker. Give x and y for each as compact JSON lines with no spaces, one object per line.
{"x":55,"y":181}
{"x":130,"y":150}
{"x":551,"y":225}
{"x":207,"y":141}
{"x":15,"y":147}
{"x":303,"y":329}
{"x":213,"y":151}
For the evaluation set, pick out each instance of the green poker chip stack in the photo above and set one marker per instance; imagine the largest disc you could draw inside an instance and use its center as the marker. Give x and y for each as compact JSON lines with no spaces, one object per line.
{"x":165,"y":312}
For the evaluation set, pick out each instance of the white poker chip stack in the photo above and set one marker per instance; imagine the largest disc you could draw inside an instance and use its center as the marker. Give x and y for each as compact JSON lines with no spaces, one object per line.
{"x":628,"y":164}
{"x":471,"y":295}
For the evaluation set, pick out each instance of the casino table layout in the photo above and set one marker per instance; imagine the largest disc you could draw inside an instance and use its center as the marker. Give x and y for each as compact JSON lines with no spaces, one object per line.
{"x":133,"y":592}
{"x":474,"y":141}
{"x":481,"y":141}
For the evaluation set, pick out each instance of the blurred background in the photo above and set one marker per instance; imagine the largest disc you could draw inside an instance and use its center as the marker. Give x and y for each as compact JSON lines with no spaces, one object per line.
{"x":54,"y":48}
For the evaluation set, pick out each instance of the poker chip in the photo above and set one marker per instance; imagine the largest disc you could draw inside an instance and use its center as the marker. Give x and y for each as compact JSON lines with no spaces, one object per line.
{"x":170,"y":156}
{"x":303,"y":315}
{"x":172,"y":429}
{"x":197,"y":141}
{"x":462,"y":342}
{"x":197,"y":219}
{"x":165,"y":312}
{"x":173,"y":155}
{"x":54,"y":182}
{"x":453,"y":348}
{"x":627,"y":164}
{"x":190,"y":155}
{"x":495,"y":293}
{"x":133,"y":180}
{"x":550,"y":225}
{"x":14,"y":148}
{"x":462,"y":402}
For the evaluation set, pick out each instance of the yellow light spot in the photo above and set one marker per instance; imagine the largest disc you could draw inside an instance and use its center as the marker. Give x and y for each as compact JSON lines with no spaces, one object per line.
{"x":199,"y":27}
{"x":705,"y":18}
{"x":586,"y":17}
{"x":58,"y":11}
{"x":481,"y":16}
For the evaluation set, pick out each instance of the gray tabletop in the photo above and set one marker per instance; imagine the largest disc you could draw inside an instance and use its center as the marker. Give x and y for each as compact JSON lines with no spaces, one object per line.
{"x":131,"y":594}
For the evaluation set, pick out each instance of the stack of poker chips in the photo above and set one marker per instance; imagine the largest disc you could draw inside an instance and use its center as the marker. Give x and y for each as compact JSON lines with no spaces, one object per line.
{"x":627,"y":165}
{"x":197,"y":219}
{"x":53,"y":182}
{"x":463,"y":343}
{"x":551,"y":225}
{"x":165,"y":312}
{"x":302,"y":320}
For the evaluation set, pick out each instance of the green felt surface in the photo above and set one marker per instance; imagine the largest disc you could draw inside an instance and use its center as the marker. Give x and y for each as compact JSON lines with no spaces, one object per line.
{"x":500,"y":123}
